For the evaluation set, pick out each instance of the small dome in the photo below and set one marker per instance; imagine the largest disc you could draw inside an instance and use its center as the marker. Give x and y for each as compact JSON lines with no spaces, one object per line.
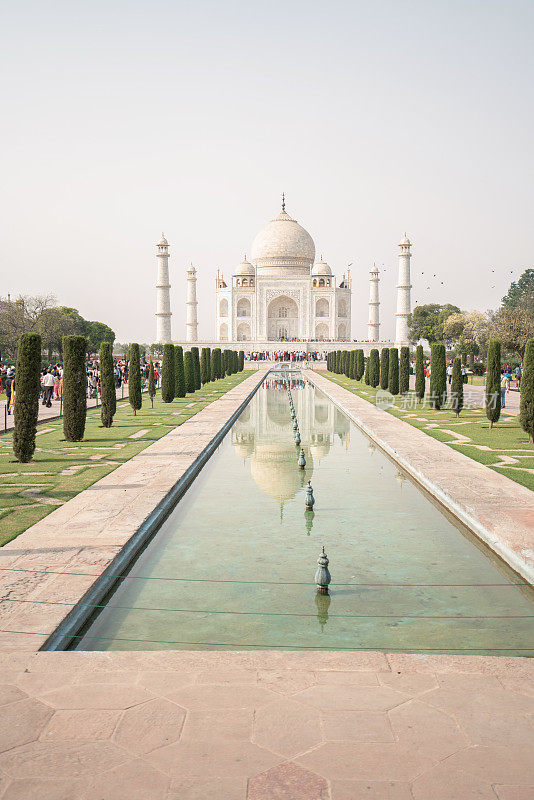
{"x":245,"y":268}
{"x":405,"y":240}
{"x":321,"y":268}
{"x":163,"y":240}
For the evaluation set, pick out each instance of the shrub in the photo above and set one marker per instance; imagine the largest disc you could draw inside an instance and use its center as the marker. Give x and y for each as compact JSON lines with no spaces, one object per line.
{"x":393,"y":375}
{"x":134,"y":378}
{"x":179,"y":377}
{"x":360,"y":364}
{"x":241,"y":360}
{"x":189,"y":371}
{"x":478,"y":368}
{"x":404,"y":370}
{"x":493,"y":382}
{"x":384,"y":368}
{"x":74,"y":387}
{"x":151,"y":383}
{"x":419,"y":373}
{"x":27,"y":386}
{"x":108,"y":391}
{"x":196,"y":364}
{"x":374,"y":368}
{"x":526,"y":402}
{"x":204,"y":365}
{"x":167,"y":374}
{"x":457,"y":387}
{"x":438,"y":376}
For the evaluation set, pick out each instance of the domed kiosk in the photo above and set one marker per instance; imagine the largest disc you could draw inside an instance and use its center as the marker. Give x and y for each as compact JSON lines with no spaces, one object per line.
{"x":281,"y":294}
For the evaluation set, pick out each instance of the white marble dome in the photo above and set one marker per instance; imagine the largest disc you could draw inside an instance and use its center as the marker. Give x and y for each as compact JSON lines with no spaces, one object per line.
{"x":321,"y":268}
{"x":283,"y":247}
{"x":245,"y":268}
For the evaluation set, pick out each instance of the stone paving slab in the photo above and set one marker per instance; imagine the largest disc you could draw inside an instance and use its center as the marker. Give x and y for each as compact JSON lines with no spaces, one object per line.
{"x":498,"y":510}
{"x":83,"y":536}
{"x":259,"y":725}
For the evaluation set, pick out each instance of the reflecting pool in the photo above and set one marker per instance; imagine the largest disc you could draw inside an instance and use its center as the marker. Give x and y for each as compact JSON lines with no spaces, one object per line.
{"x":233,"y":566}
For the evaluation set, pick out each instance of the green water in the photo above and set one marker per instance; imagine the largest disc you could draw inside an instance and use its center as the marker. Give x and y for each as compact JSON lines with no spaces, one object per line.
{"x":233,"y":566}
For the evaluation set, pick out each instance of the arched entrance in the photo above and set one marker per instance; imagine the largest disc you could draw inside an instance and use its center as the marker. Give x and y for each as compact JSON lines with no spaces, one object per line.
{"x":282,"y":319}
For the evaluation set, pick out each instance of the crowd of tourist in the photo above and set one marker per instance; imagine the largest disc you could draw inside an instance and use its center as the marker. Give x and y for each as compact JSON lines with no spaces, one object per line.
{"x":285,"y":355}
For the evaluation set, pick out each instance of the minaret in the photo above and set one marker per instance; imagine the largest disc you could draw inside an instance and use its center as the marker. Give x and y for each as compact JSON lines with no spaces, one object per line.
{"x":192,"y":323}
{"x":163,"y":296}
{"x":373,"y":327}
{"x":403,"y":294}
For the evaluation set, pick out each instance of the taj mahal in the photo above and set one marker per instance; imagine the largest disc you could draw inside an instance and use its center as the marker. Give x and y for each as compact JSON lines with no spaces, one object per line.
{"x":283,"y":294}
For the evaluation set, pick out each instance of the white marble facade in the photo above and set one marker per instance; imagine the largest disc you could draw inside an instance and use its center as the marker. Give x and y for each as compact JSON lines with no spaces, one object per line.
{"x":282,"y":293}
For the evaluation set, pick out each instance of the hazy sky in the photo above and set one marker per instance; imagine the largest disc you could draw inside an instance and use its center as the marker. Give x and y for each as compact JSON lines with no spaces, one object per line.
{"x":125,"y":119}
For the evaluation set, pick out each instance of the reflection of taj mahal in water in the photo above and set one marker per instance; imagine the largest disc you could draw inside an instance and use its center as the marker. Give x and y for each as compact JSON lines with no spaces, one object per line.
{"x":261,"y":435}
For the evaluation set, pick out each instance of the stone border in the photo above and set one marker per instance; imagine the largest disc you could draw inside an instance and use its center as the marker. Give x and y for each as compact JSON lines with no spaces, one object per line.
{"x":81,"y":547}
{"x":497,"y":510}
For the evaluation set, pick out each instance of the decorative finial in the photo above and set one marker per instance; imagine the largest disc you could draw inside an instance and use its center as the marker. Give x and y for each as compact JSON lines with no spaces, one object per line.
{"x":322,"y":576}
{"x":283,"y":201}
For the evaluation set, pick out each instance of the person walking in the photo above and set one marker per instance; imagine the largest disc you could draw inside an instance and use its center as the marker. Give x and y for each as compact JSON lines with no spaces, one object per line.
{"x":9,"y":387}
{"x":505,"y":387}
{"x":48,"y":388}
{"x":449,"y":373}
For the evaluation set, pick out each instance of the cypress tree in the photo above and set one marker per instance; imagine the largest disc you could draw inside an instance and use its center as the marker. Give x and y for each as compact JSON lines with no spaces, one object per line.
{"x":204,"y":366}
{"x":457,"y":386}
{"x":384,"y":368}
{"x":179,"y":378}
{"x":27,"y":386}
{"x":344,"y":363}
{"x":438,"y":376}
{"x":366,"y":372}
{"x":404,"y":370}
{"x":329,"y":362}
{"x":419,"y":373}
{"x":151,"y":383}
{"x":227,"y":362}
{"x":235,"y":362}
{"x":214,"y":364}
{"x":526,"y":402}
{"x":393,"y":376}
{"x":134,"y":378}
{"x":167,"y":374}
{"x":196,"y":364}
{"x":74,"y":387}
{"x":352,"y":364}
{"x":107,"y":385}
{"x":374,"y":368}
{"x":189,"y":371}
{"x":241,"y":360}
{"x":360,"y":364}
{"x":493,"y":382}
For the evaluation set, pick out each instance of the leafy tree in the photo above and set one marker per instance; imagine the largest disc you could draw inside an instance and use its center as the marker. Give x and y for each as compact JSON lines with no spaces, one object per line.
{"x":493,"y":382}
{"x":426,"y":322}
{"x":457,"y":386}
{"x":196,"y":363}
{"x":134,"y":378}
{"x":360,"y":364}
{"x":467,"y":331}
{"x":53,"y":324}
{"x":526,"y":402}
{"x":204,"y":365}
{"x":20,"y":316}
{"x":96,"y":333}
{"x":374,"y":368}
{"x":179,"y":376}
{"x":404,"y":370}
{"x":366,"y":379}
{"x":513,"y":327}
{"x":241,"y":360}
{"x":151,"y":383}
{"x":107,"y":385}
{"x":167,"y":374}
{"x":419,"y":373}
{"x":189,"y":371}
{"x":393,"y":375}
{"x":521,"y":292}
{"x":438,"y":376}
{"x":74,"y":387}
{"x":384,"y":368}
{"x":27,"y":386}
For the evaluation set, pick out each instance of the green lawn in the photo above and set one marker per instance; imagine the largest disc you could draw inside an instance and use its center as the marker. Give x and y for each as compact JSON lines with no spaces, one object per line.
{"x":505,"y":448}
{"x":60,"y":469}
